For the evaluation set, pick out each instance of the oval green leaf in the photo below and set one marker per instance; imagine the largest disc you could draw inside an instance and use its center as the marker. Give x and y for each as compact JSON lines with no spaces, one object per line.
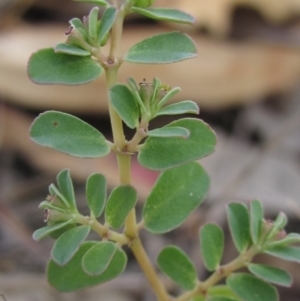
{"x":211,"y":245}
{"x":93,"y":22}
{"x":121,"y":200}
{"x":107,"y":21}
{"x":222,"y":290}
{"x":96,"y":191}
{"x":256,"y":219}
{"x":45,"y":231}
{"x":70,"y":49}
{"x":165,"y":14}
{"x":168,"y":132}
{"x":183,"y":107}
{"x":284,"y":252}
{"x":71,"y":277}
{"x":68,"y":134}
{"x":162,"y":153}
{"x":291,"y":238}
{"x":271,"y":274}
{"x":162,"y":49}
{"x":65,"y":185}
{"x":239,"y":225}
{"x":96,"y":260}
{"x":47,"y":67}
{"x":250,"y":288}
{"x":177,"y":265}
{"x":176,"y":193}
{"x":125,"y":104}
{"x":68,"y":243}
{"x":97,"y":2}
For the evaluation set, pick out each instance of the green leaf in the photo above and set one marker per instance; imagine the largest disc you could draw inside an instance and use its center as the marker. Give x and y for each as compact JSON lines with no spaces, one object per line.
{"x":177,"y":265}
{"x":47,"y":67}
{"x":165,"y":14}
{"x":271,"y":274}
{"x":65,"y":185}
{"x":56,"y":234}
{"x":286,"y":253}
{"x":97,"y":2}
{"x":287,"y":240}
{"x":222,"y":291}
{"x":162,"y":153}
{"x":125,"y":104}
{"x":93,"y":22}
{"x":121,"y":200}
{"x":71,"y":277}
{"x":68,"y":243}
{"x":250,"y":288}
{"x":96,"y":260}
{"x":211,"y":245}
{"x":176,"y":193}
{"x":239,"y":225}
{"x":219,"y":298}
{"x":68,"y":134}
{"x":70,"y":49}
{"x":182,"y":107}
{"x":107,"y":21}
{"x":45,"y":231}
{"x":168,"y":132}
{"x":55,"y":192}
{"x":96,"y":190}
{"x":162,"y":49}
{"x":256,"y":219}
{"x":278,"y":224}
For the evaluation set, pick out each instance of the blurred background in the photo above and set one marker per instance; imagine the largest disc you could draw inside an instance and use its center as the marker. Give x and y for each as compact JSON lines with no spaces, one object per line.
{"x":246,"y":82}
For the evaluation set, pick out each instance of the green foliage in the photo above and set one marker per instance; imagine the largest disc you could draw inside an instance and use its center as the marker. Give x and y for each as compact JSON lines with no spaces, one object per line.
{"x":162,"y":49}
{"x":68,"y":134}
{"x":71,"y":277}
{"x":171,"y":149}
{"x":250,"y":288}
{"x":176,"y":264}
{"x":96,"y":193}
{"x":239,"y":225}
{"x":176,"y":194}
{"x":212,"y":245}
{"x":121,"y":200}
{"x":48,"y":67}
{"x":161,"y":153}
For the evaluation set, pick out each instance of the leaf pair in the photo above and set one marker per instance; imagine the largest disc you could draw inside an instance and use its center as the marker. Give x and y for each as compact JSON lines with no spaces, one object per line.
{"x":119,"y":203}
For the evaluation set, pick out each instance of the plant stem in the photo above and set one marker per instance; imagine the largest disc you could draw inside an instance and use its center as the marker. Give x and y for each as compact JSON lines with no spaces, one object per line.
{"x":145,"y":264}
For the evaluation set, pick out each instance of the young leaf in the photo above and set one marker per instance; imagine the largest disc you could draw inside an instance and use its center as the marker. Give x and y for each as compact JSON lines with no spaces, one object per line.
{"x":176,"y":193}
{"x":250,"y":288}
{"x":55,"y":192}
{"x":96,"y":190}
{"x":162,"y":49}
{"x":256,"y":218}
{"x":71,"y":277}
{"x":211,"y":245}
{"x":45,"y":231}
{"x":48,"y":67}
{"x":222,"y":291}
{"x":68,"y":134}
{"x":271,"y":274}
{"x":278,"y":224}
{"x":97,"y":2}
{"x":165,"y":14}
{"x":65,"y":185}
{"x":169,"y":132}
{"x":107,"y":21}
{"x":286,"y":253}
{"x":291,"y":238}
{"x":70,"y":49}
{"x":125,"y":104}
{"x":176,"y":264}
{"x":162,"y":153}
{"x":121,"y":200}
{"x":239,"y":225}
{"x":182,"y":107}
{"x":93,"y":22}
{"x":68,"y":243}
{"x":96,"y":260}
